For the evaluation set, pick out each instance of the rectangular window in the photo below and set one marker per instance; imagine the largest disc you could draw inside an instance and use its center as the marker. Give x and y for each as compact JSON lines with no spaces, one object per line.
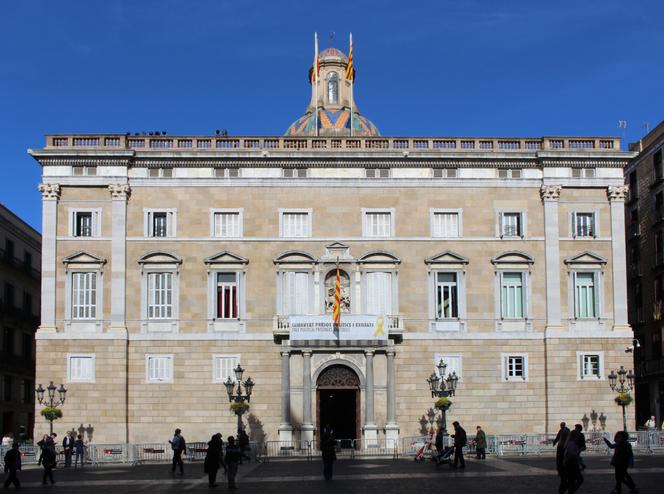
{"x":377,"y":172}
{"x":296,"y":293}
{"x":379,"y":293}
{"x":81,"y":368}
{"x":445,"y":224}
{"x":447,"y":299}
{"x":9,"y":249}
{"x":584,"y":224}
{"x":515,"y":367}
{"x":160,"y":295}
{"x":509,"y":173}
{"x":160,"y":223}
{"x":633,"y":186}
{"x":227,"y":296}
{"x":657,"y":164}
{"x":590,"y":365}
{"x":84,"y":295}
{"x":223,"y":366}
{"x":295,"y":224}
{"x":159,"y":368}
{"x":28,"y":391}
{"x":27,"y":346}
{"x":377,"y":224}
{"x":84,"y":223}
{"x":511,"y":225}
{"x":453,"y":364}
{"x":583,"y":172}
{"x":7,"y":392}
{"x":8,"y":341}
{"x":227,"y":224}
{"x":295,"y":172}
{"x":9,"y":295}
{"x":512,"y":296}
{"x":585,"y":296}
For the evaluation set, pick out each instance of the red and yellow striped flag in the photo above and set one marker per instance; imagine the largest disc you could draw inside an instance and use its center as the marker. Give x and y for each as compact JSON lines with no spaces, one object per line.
{"x":350,"y":69}
{"x":337,"y":300}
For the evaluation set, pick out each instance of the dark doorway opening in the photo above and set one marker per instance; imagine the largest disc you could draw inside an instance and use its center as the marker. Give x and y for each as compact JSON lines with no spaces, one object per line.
{"x":338,"y":409}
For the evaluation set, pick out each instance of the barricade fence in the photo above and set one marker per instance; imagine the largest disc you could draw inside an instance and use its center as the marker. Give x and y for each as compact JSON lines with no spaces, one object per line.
{"x":643,"y":442}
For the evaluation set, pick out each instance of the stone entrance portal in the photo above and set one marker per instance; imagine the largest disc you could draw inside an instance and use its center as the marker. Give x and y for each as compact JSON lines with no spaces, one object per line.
{"x":338,"y":402}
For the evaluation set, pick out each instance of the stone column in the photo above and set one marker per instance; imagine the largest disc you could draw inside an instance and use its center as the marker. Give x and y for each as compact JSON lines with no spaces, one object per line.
{"x":50,"y":195}
{"x":119,"y":195}
{"x":370,"y":429}
{"x":307,"y":423}
{"x":391,"y":427}
{"x":285,"y":428}
{"x":550,"y":195}
{"x":616,"y":196}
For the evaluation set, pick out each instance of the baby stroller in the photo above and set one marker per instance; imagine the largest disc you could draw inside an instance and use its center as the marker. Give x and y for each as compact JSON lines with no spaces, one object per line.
{"x":445,"y":457}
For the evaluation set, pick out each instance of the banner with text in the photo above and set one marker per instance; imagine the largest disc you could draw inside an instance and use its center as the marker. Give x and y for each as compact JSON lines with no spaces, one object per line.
{"x":352,"y":327}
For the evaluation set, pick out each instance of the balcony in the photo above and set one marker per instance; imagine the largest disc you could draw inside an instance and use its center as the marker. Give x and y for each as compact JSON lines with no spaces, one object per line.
{"x":281,"y":326}
{"x":19,"y":264}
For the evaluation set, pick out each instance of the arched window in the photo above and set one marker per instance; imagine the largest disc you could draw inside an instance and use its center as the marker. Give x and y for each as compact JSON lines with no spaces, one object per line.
{"x":332,"y":88}
{"x":330,"y":282}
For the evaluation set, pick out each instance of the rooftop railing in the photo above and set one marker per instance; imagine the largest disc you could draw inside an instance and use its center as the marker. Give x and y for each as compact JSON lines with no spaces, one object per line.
{"x":323,"y":144}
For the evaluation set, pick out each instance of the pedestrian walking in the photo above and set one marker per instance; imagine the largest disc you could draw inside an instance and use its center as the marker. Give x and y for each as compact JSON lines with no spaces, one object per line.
{"x":439,"y":441}
{"x":12,"y":465}
{"x":560,"y":441}
{"x":68,"y":448}
{"x":480,"y":443}
{"x":232,"y":459}
{"x":581,"y":442}
{"x":328,"y":449}
{"x":623,"y":458}
{"x":213,"y":459}
{"x":651,"y":423}
{"x":48,"y":461}
{"x":8,"y":439}
{"x":79,"y":450}
{"x":460,"y":440}
{"x":243,"y":442}
{"x":179,"y":446}
{"x":570,"y":477}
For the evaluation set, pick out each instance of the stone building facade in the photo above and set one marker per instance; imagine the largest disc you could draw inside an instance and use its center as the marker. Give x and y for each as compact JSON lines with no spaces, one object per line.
{"x":168,"y":259}
{"x":20,"y":248}
{"x":645,"y":249}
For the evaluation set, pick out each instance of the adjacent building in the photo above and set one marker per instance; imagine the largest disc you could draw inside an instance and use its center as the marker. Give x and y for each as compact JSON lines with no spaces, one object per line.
{"x":644,"y":210}
{"x":167,"y":260}
{"x":20,"y":251}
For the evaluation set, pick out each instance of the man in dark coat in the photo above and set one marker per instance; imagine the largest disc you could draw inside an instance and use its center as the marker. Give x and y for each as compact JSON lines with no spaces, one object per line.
{"x":213,"y":459}
{"x":560,"y":442}
{"x":460,"y":441}
{"x":243,"y":442}
{"x":581,"y":440}
{"x":480,"y":443}
{"x":328,"y":446}
{"x":623,"y":458}
{"x":68,"y":448}
{"x":232,"y":460}
{"x":12,"y":465}
{"x":48,"y":462}
{"x":179,"y":446}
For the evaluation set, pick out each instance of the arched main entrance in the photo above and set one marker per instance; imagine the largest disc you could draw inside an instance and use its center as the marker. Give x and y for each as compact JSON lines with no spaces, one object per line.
{"x":338,"y":402}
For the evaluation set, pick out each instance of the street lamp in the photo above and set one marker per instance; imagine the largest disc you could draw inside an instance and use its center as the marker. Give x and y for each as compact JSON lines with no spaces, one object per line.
{"x":442,"y":387}
{"x":622,"y":382}
{"x":236,"y":397}
{"x":51,"y":402}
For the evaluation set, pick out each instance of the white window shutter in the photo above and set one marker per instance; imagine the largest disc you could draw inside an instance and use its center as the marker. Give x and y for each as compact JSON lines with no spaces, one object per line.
{"x":500,"y":225}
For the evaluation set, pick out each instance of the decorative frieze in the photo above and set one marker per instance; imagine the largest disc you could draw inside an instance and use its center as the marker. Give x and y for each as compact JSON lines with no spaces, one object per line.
{"x":49,"y":191}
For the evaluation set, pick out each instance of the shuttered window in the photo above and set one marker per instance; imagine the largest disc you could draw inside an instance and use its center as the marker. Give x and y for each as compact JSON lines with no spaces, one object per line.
{"x":379,"y":293}
{"x":84,"y":295}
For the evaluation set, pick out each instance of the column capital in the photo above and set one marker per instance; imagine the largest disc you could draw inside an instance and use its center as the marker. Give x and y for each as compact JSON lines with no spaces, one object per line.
{"x":49,"y":191}
{"x":550,"y":192}
{"x":307,"y":353}
{"x":369,"y":352}
{"x":390,"y":352}
{"x":119,"y":191}
{"x":285,"y":353}
{"x":618,"y":193}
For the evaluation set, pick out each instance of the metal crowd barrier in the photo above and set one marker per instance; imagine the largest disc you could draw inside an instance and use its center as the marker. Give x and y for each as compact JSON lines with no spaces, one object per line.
{"x":110,"y":453}
{"x":151,"y":452}
{"x":283,"y":449}
{"x":375,"y":447}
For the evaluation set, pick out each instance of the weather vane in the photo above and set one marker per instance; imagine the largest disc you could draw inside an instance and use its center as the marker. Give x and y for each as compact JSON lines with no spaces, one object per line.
{"x":330,"y":37}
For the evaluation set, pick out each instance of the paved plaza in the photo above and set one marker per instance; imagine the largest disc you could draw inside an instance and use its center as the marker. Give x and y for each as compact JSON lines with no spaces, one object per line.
{"x":495,"y":475}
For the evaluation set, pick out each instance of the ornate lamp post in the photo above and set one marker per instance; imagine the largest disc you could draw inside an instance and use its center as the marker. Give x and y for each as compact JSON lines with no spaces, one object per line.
{"x":622,"y":382}
{"x":51,"y":403}
{"x":442,"y":388}
{"x":236,"y":398}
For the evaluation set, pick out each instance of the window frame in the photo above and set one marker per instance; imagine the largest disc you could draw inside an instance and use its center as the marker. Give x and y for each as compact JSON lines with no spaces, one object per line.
{"x":213,"y":223}
{"x":580,"y":375}
{"x":432,"y":220}
{"x":309,"y":225}
{"x":96,"y":216}
{"x":281,"y":291}
{"x":597,"y":292}
{"x":365,"y":226}
{"x":504,"y":358}
{"x":171,"y":360}
{"x":171,"y":222}
{"x":84,"y":262}
{"x":522,"y":224}
{"x":595,"y":223}
{"x":92,"y":378}
{"x":394,"y":289}
{"x":447,"y":357}
{"x":216,"y":357}
{"x":71,"y":275}
{"x":160,"y":262}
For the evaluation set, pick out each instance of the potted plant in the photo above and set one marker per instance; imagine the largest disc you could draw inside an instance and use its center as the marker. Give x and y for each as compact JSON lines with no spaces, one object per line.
{"x":623,"y":399}
{"x":51,"y":413}
{"x":239,"y":407}
{"x":443,"y":403}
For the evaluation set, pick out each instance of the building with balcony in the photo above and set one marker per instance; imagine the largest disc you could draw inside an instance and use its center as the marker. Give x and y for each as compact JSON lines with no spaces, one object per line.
{"x":644,"y":210}
{"x":20,"y":251}
{"x":169,"y":259}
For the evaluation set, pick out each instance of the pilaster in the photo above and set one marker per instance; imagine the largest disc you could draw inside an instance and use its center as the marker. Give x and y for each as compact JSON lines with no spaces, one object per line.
{"x":307,"y":433}
{"x":50,"y":196}
{"x":550,"y":195}
{"x":391,"y":427}
{"x":119,"y":196}
{"x":616,"y":197}
{"x":370,"y":429}
{"x":285,"y":428}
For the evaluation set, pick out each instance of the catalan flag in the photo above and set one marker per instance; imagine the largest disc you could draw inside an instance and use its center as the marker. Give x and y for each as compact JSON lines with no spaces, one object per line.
{"x":315,"y":67}
{"x":337,"y":300}
{"x":350,"y":69}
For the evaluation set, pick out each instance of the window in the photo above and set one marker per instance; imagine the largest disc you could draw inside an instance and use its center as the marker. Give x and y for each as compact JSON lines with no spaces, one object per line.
{"x":447,"y":299}
{"x":377,"y":172}
{"x":511,"y":224}
{"x":226,"y":172}
{"x":28,"y":391}
{"x":583,"y":172}
{"x":160,"y":172}
{"x":84,"y":222}
{"x":377,"y":223}
{"x":445,"y":224}
{"x":515,"y":367}
{"x":9,"y":248}
{"x":227,"y":296}
{"x":453,"y":364}
{"x":84,"y":170}
{"x":81,"y":368}
{"x":511,"y":297}
{"x":9,"y":295}
{"x":509,"y":173}
{"x":584,"y":225}
{"x":160,"y":222}
{"x":590,"y":365}
{"x":585,"y":296}
{"x":7,"y":392}
{"x":27,"y":346}
{"x":84,"y":295}
{"x":657,"y":164}
{"x":633,"y":185}
{"x":445,"y":172}
{"x":160,"y":295}
{"x":296,"y":292}
{"x":378,"y":286}
{"x":227,"y":223}
{"x":27,"y":303}
{"x":295,"y":172}
{"x":295,"y":223}
{"x":159,"y":368}
{"x":8,"y":341}
{"x":223,"y":366}
{"x":332,"y":88}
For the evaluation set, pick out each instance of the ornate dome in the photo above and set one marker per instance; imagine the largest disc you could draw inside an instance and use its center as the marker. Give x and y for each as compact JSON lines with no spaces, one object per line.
{"x":332,"y":123}
{"x":333,"y":53}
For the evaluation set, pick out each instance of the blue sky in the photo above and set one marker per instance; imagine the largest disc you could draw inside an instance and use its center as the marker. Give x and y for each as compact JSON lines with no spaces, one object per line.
{"x":465,"y":67}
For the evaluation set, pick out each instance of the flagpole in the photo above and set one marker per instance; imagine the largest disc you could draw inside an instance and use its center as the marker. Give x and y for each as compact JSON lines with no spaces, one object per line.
{"x":316,"y":79}
{"x":352,"y":83}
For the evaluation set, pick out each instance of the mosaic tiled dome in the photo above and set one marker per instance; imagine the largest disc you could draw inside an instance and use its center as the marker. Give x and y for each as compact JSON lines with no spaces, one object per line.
{"x":330,"y":121}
